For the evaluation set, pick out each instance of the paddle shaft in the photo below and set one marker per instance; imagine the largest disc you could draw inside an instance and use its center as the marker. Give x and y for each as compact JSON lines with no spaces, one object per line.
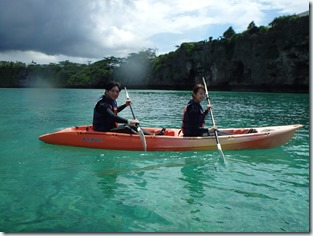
{"x":140,"y":132}
{"x":219,"y":147}
{"x":131,"y":109}
{"x":130,"y":106}
{"x":213,"y":121}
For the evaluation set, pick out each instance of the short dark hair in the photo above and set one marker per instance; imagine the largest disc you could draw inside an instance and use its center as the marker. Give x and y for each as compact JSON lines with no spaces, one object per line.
{"x":197,"y":87}
{"x":112,"y":84}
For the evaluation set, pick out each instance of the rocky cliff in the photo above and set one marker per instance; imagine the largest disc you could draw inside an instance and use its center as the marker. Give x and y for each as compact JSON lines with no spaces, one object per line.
{"x":273,"y":58}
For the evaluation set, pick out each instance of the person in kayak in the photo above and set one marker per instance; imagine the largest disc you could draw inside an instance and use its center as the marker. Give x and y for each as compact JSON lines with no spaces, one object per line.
{"x":105,"y":116}
{"x":194,"y":115}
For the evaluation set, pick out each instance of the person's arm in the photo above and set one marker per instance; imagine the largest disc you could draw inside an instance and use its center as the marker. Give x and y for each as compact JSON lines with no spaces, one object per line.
{"x":208,"y":108}
{"x":122,"y":107}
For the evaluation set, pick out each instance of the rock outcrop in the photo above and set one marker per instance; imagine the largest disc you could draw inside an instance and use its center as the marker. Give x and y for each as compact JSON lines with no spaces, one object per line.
{"x":274,"y":58}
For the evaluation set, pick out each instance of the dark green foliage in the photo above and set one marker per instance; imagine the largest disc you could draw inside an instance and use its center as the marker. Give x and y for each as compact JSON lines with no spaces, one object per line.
{"x":229,"y":33}
{"x":251,"y":25}
{"x":134,"y":71}
{"x":283,"y":20}
{"x":188,"y":47}
{"x":94,"y":75}
{"x":11,"y":73}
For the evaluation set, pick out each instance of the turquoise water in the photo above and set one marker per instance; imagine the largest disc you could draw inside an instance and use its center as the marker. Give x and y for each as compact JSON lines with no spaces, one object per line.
{"x":50,"y":188}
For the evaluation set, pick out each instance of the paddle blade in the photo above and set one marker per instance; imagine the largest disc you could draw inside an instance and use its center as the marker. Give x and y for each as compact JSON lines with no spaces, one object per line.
{"x":142,"y":138}
{"x":221,"y":153}
{"x":127,"y":96}
{"x":206,"y":88}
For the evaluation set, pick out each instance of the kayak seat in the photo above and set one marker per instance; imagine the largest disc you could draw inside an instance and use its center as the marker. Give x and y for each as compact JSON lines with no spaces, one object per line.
{"x":161,"y":132}
{"x":250,"y":131}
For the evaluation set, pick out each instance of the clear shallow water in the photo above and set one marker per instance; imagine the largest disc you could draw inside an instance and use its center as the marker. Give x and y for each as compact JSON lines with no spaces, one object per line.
{"x":49,"y":188}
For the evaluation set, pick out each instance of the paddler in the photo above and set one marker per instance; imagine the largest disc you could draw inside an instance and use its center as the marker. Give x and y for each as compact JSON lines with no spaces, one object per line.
{"x":194,"y":115}
{"x":105,"y":115}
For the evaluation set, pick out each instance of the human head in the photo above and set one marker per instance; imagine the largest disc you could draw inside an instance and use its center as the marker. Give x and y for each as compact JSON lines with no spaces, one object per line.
{"x":196,"y":88}
{"x":112,"y":90}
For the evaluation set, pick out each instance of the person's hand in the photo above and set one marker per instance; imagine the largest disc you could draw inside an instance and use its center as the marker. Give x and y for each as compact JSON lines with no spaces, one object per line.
{"x":213,"y":128}
{"x":128,"y":102}
{"x":208,"y":107}
{"x":133,"y":122}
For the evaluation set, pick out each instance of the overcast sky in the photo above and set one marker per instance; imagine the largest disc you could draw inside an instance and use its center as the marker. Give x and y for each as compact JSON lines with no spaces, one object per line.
{"x":50,"y":31}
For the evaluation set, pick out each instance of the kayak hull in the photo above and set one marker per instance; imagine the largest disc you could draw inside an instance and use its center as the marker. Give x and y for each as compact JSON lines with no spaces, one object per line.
{"x":172,"y":140}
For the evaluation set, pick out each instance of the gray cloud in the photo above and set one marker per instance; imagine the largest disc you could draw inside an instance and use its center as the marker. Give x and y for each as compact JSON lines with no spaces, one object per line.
{"x":52,"y":30}
{"x":51,"y":27}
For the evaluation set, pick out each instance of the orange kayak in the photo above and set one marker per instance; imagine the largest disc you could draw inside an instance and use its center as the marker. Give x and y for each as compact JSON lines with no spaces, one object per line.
{"x":172,"y":139}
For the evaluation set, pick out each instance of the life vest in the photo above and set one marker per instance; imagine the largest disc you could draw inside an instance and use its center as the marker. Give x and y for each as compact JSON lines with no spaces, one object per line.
{"x":189,"y":129}
{"x":100,"y":122}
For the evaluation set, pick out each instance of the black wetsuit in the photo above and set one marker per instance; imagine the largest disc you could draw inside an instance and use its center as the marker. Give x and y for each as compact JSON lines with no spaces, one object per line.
{"x":193,"y":120}
{"x":105,"y":116}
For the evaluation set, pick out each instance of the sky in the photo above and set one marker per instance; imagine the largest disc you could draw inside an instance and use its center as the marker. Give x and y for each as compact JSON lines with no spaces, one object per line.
{"x":84,"y":31}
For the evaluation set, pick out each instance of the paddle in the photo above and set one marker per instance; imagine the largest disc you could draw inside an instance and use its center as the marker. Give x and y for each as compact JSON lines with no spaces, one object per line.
{"x":215,"y":131}
{"x":140,"y":132}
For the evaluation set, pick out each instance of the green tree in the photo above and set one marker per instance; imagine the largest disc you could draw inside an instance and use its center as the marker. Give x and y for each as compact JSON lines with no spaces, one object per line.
{"x":252,"y":28}
{"x":229,"y":33}
{"x":251,"y":25}
{"x":11,"y":73}
{"x":283,"y":20}
{"x":136,"y":68}
{"x":188,"y":47}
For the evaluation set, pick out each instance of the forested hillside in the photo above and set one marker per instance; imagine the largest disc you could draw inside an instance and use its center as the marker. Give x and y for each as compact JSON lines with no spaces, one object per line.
{"x":264,"y":58}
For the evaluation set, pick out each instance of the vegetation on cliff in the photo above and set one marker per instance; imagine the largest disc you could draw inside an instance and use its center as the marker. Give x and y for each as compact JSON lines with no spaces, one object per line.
{"x":272,"y":58}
